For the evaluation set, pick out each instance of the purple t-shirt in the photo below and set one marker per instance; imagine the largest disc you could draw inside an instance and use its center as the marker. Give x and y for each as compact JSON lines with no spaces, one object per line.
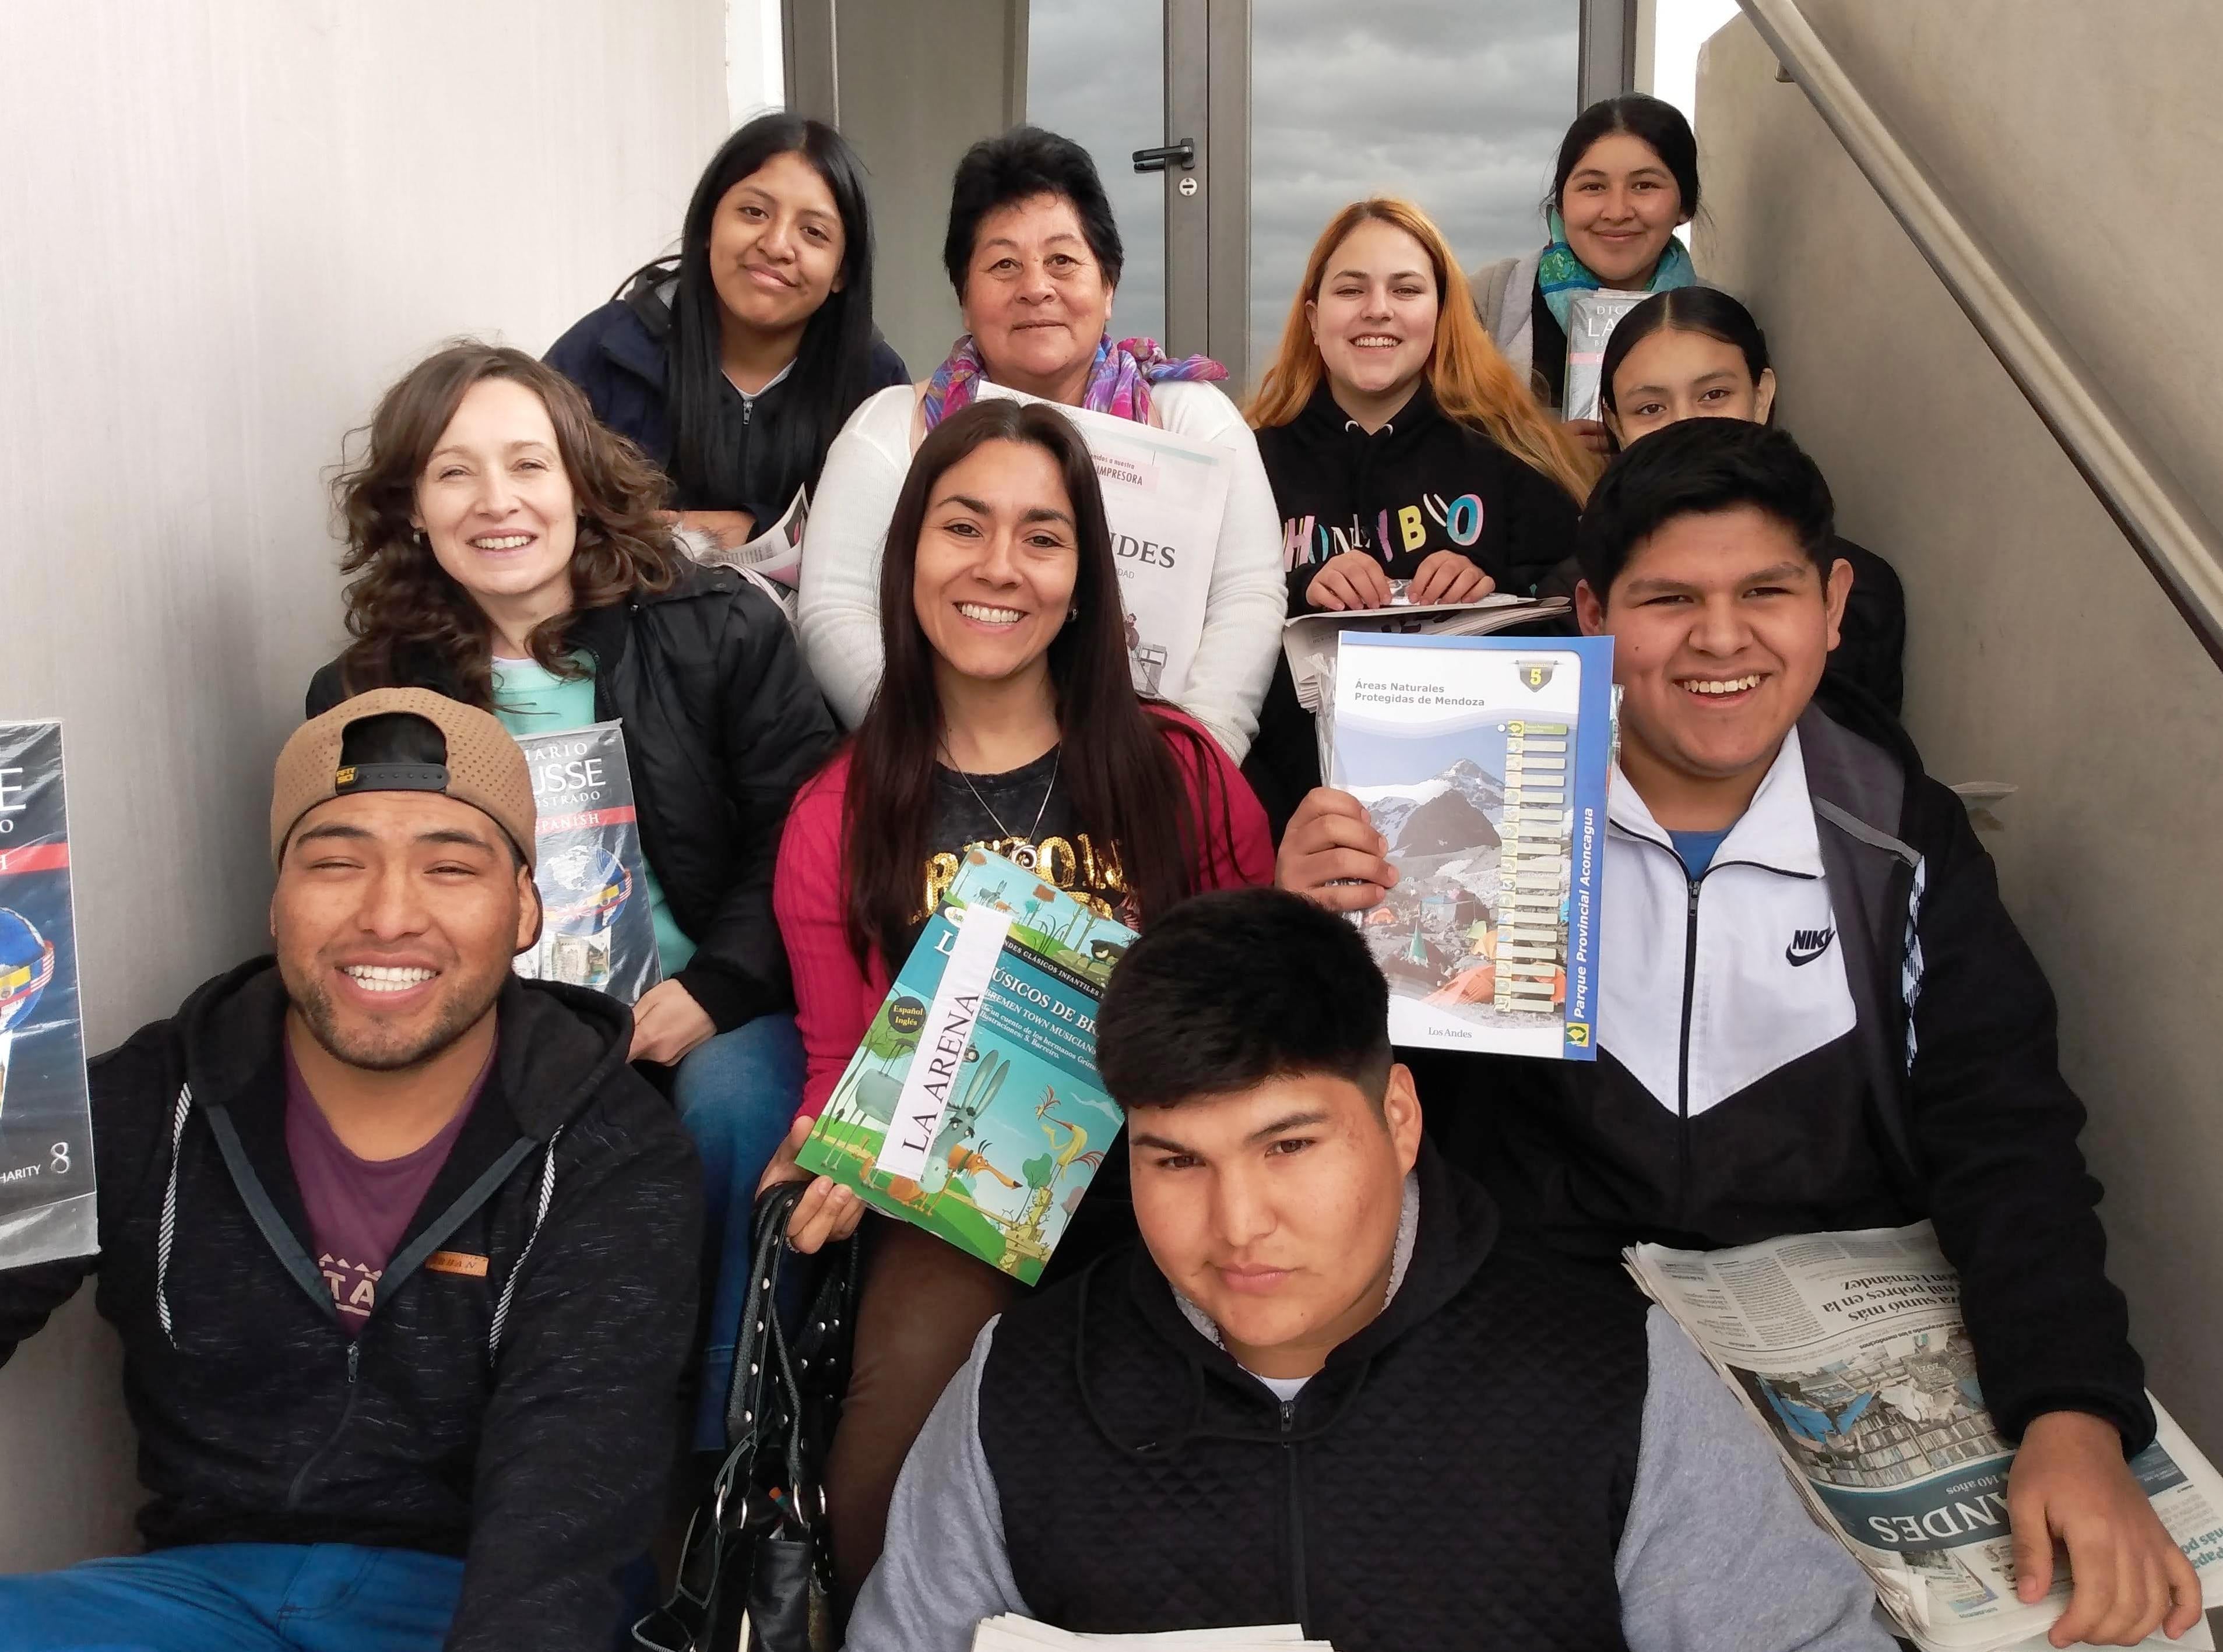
{"x":358,"y":1208}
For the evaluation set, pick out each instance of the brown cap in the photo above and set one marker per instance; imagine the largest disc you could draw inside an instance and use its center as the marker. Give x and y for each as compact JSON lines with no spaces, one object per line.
{"x":484,"y":767}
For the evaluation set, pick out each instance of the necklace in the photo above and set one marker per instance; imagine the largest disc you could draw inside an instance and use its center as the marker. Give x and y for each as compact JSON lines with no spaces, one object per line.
{"x":1025,"y":856}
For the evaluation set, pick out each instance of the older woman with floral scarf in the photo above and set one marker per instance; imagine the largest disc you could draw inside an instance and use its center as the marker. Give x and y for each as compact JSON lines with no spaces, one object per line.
{"x":1035,"y":257}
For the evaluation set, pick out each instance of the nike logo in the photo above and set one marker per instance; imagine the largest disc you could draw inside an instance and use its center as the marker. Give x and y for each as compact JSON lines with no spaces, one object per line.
{"x":1807,"y":945}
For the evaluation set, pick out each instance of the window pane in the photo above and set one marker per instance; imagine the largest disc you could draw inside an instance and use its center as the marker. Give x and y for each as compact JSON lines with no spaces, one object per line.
{"x":1095,"y":73}
{"x":1459,"y":105}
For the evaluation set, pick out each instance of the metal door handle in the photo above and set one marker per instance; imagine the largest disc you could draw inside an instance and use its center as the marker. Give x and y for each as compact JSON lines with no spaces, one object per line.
{"x":1159,"y":160}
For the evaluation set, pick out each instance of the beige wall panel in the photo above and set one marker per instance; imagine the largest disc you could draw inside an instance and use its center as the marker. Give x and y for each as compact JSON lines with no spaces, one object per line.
{"x":225,"y":225}
{"x":2040,"y":650}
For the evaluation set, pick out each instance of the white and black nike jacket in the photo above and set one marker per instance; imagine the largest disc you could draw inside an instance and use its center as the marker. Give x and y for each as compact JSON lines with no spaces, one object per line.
{"x":1837,"y":1025}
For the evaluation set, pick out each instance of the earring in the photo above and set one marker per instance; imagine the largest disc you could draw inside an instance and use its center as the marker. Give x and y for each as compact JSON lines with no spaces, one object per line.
{"x":1073,"y":613}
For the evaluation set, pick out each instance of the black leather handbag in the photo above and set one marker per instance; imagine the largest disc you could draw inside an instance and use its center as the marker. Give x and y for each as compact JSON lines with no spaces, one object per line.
{"x":755,"y":1574}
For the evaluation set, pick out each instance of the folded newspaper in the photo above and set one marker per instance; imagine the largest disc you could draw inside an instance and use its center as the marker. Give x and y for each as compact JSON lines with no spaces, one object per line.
{"x":1850,"y":1351}
{"x":1010,"y":1633}
{"x":1308,"y":642}
{"x":771,"y":560}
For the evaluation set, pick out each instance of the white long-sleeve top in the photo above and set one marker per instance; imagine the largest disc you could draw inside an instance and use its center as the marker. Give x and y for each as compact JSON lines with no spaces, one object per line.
{"x":840,"y":619}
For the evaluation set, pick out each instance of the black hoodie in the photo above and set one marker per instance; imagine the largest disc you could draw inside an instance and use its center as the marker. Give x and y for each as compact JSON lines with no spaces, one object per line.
{"x":521,"y":1417}
{"x":1421,"y":484}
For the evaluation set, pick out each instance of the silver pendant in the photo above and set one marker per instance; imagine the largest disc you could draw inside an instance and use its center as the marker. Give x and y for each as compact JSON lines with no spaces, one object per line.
{"x":1024,"y":858}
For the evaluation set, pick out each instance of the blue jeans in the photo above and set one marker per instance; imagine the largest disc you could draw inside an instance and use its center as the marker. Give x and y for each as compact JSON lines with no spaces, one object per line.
{"x":736,"y":1094}
{"x":237,"y":1598}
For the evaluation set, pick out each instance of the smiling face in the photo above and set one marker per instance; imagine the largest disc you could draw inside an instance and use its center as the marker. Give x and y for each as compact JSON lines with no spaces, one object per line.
{"x":1720,"y":625}
{"x":495,"y":502}
{"x":776,"y":245}
{"x":395,"y":918}
{"x":998,"y":558}
{"x":1275,"y":1210}
{"x":1035,"y":301}
{"x":1674,"y":374}
{"x":1621,"y":204}
{"x":1374,"y":317}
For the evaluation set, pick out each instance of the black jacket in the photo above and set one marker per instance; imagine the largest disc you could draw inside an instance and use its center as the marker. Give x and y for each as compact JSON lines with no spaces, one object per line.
{"x":722,"y":724}
{"x":618,"y":355}
{"x":1421,"y":484}
{"x":1458,"y":1474}
{"x":1944,"y":1098}
{"x":533,"y":1444}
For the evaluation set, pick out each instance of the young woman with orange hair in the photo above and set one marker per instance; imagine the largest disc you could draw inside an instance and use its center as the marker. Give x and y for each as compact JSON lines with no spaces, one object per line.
{"x":1402,"y":448}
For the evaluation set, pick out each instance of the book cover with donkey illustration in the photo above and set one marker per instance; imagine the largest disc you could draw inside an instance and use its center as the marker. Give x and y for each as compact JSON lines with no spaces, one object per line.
{"x":972,"y":1108}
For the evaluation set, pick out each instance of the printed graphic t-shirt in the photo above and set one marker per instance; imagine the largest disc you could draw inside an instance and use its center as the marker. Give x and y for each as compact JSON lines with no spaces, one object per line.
{"x":529,"y":699}
{"x":358,"y":1208}
{"x":1023,"y":809}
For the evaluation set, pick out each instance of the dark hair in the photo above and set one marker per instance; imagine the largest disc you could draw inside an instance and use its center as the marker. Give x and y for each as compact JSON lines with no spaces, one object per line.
{"x":1684,"y":309}
{"x":403,"y":608}
{"x":1659,"y":125}
{"x":1024,"y":162}
{"x":1694,"y":467}
{"x":833,"y":363}
{"x":405,"y":738}
{"x":1119,"y":767}
{"x":1233,"y":988}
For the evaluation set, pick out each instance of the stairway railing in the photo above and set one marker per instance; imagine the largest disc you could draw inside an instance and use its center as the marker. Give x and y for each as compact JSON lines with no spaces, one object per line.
{"x":2174,"y":537}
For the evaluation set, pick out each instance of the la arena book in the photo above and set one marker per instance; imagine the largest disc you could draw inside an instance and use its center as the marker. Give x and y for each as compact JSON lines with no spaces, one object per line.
{"x":972,"y":1107}
{"x":1483,"y":762}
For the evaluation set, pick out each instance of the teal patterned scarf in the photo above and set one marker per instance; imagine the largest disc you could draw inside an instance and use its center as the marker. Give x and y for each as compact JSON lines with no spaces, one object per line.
{"x":1561,"y":274}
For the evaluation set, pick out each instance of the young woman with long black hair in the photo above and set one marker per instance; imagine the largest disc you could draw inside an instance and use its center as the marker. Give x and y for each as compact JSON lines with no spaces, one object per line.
{"x":1005,"y":719}
{"x":1695,"y":352}
{"x":733,"y":365}
{"x":1625,"y":177}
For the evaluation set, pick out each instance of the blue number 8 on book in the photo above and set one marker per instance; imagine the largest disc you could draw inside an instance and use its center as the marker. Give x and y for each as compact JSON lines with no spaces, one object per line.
{"x":972,"y":1108}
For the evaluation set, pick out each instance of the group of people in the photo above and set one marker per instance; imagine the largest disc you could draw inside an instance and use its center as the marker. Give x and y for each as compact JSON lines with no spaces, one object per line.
{"x":404,"y":1249}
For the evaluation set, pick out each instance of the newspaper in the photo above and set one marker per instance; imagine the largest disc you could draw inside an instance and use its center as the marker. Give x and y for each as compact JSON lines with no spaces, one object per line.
{"x":1308,"y":641}
{"x":771,"y":561}
{"x":1592,"y":318}
{"x":1164,"y":498}
{"x":1850,"y":1351}
{"x":596,"y":928}
{"x":1011,"y":1633}
{"x":47,"y":1205}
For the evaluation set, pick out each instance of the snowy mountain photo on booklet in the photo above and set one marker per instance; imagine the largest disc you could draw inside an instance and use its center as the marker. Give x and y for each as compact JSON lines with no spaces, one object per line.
{"x":1483,"y":761}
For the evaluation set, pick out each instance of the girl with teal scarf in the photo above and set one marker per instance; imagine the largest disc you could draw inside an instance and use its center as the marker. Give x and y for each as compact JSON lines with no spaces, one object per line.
{"x":1626,"y":177}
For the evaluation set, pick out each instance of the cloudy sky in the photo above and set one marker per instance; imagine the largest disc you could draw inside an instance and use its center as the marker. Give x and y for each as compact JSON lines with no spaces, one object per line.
{"x":1459,"y":104}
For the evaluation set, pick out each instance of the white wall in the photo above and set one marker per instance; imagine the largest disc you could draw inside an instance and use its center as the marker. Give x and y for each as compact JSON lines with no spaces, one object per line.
{"x":2082,"y":142}
{"x":224,"y":226}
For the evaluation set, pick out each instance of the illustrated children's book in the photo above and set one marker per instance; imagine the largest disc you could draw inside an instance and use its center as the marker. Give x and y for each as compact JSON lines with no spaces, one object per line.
{"x":47,"y":1207}
{"x":1483,"y":762}
{"x":596,"y":929}
{"x":972,"y":1108}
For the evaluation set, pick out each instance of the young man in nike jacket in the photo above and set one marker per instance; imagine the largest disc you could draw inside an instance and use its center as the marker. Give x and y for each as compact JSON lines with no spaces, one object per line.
{"x":1815,"y":1012}
{"x":388,"y":1233}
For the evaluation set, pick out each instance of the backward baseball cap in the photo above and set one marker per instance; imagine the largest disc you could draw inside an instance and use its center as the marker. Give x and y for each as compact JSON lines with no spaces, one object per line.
{"x":484,"y":767}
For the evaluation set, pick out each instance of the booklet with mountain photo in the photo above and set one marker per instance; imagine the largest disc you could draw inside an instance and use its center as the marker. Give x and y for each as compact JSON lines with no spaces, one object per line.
{"x":1483,"y":762}
{"x":972,"y":1108}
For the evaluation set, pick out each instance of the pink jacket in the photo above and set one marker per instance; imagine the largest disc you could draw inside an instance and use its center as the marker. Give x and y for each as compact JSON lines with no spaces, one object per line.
{"x":835,"y":1001}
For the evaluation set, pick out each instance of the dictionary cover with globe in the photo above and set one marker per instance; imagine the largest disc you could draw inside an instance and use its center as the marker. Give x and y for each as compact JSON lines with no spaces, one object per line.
{"x":47,"y":1209}
{"x":1484,"y":761}
{"x":596,"y":928}
{"x":972,"y":1108}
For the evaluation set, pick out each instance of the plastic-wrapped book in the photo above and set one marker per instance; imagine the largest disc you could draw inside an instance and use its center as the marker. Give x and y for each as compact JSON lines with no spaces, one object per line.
{"x":596,"y":929}
{"x":46,"y":1206}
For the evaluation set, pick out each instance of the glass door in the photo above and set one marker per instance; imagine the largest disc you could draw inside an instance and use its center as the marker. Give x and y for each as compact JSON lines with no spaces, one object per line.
{"x":1458,"y":104}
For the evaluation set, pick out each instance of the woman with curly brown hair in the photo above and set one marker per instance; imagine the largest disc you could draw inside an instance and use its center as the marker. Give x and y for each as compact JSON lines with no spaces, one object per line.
{"x":506,"y":549}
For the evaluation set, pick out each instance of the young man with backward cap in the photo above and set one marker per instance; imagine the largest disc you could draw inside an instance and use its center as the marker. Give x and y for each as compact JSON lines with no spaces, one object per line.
{"x":389,"y":1235}
{"x":1329,"y":1389}
{"x":1814,"y":1012}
